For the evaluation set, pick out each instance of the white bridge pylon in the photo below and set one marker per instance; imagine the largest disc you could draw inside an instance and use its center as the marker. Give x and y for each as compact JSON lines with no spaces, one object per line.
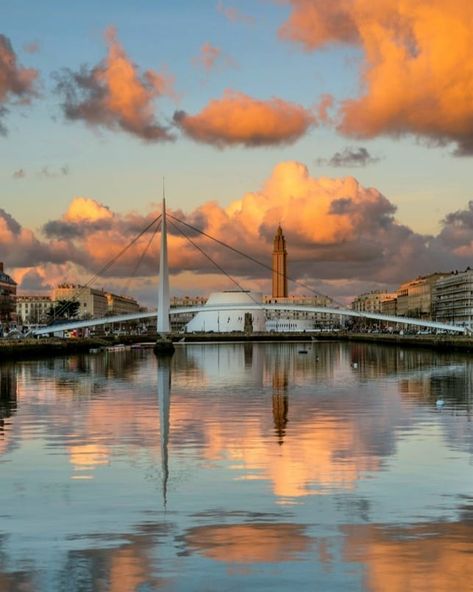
{"x":162,"y":323}
{"x":346,"y":312}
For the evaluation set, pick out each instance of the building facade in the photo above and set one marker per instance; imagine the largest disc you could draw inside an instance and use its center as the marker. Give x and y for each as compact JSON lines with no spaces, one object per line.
{"x":118,"y":305}
{"x":372,"y":301}
{"x":453,"y":299}
{"x":279,"y":265}
{"x":32,"y":310}
{"x":227,"y":321}
{"x":415,"y":298}
{"x":7,"y":297}
{"x":302,"y":320}
{"x":92,"y":303}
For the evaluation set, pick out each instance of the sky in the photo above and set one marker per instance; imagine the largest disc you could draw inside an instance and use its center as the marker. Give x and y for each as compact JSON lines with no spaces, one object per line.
{"x":348,"y":123}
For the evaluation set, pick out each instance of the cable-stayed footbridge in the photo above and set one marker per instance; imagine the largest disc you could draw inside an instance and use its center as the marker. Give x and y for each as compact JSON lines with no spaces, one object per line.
{"x":164,"y":310}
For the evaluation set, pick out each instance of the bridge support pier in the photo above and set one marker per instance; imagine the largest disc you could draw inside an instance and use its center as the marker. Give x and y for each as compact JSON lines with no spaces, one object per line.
{"x":163,"y":346}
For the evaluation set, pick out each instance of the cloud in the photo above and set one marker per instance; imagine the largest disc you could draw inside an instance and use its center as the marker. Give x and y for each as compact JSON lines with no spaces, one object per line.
{"x":210,"y":57}
{"x":417,"y":64}
{"x":115,"y":95}
{"x":33,"y":281}
{"x":47,"y":173}
{"x":32,"y":47}
{"x":234,"y":15}
{"x":237,"y":119}
{"x":19,"y":174}
{"x":349,"y":157}
{"x":342,"y":239}
{"x":17,"y":84}
{"x":20,"y":247}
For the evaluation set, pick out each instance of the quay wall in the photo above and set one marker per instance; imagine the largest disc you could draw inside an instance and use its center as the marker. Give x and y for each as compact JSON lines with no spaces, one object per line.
{"x":50,"y":347}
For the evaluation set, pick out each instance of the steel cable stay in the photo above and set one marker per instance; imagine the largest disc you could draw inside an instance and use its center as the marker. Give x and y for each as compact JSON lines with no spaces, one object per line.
{"x":212,"y":260}
{"x":250,"y":258}
{"x":107,"y":266}
{"x":140,"y":260}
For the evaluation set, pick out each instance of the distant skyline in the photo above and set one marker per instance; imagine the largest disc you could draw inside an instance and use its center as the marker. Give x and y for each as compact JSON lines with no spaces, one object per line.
{"x":348,"y":123}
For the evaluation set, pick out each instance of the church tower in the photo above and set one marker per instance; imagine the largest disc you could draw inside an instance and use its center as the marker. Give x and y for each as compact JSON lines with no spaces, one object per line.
{"x":279,"y":265}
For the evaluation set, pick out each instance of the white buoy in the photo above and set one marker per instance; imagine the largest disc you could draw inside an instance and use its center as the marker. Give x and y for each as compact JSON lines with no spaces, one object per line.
{"x":355,"y":364}
{"x":439,"y":403}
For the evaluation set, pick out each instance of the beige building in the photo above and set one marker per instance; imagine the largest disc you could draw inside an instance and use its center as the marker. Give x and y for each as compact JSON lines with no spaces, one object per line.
{"x":32,"y":309}
{"x":119,"y":305}
{"x":92,"y":302}
{"x":389,"y":306}
{"x":453,"y":299}
{"x":372,"y":301}
{"x":415,"y":298}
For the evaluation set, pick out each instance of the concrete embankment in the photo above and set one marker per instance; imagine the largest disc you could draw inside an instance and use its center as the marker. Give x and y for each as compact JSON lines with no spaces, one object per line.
{"x":441,"y":342}
{"x":445,"y":342}
{"x":40,"y":348}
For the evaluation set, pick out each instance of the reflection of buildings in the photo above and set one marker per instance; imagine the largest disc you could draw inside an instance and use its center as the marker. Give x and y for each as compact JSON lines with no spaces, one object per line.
{"x":8,"y":400}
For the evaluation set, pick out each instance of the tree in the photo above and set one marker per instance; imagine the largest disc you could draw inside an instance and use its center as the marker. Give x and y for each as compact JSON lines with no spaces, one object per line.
{"x":64,"y":309}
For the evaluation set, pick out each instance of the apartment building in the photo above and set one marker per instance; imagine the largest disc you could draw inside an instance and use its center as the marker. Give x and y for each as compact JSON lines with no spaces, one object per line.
{"x":372,"y":301}
{"x":453,"y":299}
{"x":32,"y":309}
{"x":92,"y":303}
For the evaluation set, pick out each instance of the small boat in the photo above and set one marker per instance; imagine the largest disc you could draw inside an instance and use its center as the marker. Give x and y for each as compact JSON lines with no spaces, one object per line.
{"x":303,"y":351}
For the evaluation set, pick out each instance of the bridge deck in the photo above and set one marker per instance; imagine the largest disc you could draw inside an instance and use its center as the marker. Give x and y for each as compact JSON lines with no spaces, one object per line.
{"x":80,"y":324}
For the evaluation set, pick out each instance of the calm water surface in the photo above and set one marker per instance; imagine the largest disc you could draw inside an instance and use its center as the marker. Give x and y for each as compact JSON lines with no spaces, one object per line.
{"x":238,"y":467}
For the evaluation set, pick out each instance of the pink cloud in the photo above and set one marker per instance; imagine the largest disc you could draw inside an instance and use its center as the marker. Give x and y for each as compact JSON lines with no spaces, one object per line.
{"x":115,"y":95}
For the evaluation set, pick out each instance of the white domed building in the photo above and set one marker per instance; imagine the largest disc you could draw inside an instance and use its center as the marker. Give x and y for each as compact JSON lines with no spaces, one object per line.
{"x":220,"y":320}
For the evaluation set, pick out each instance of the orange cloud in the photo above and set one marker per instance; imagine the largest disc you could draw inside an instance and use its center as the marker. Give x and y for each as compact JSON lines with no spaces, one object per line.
{"x":234,"y":15}
{"x":113,"y":94}
{"x":85,"y":209}
{"x":208,"y":56}
{"x":237,"y":119}
{"x":16,"y":83}
{"x":336,"y":229}
{"x":417,"y":69}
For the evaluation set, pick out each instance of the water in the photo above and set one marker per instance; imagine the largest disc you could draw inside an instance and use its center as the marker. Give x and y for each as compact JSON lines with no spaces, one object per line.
{"x":259,"y":468}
